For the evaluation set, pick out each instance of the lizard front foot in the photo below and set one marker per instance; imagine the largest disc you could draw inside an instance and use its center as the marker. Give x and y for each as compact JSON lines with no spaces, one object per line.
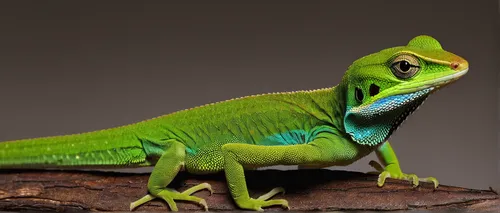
{"x":394,"y":171}
{"x":263,"y":201}
{"x":170,"y":195}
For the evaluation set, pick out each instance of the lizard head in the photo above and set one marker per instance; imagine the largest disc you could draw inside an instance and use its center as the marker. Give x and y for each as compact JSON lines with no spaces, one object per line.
{"x":384,"y":88}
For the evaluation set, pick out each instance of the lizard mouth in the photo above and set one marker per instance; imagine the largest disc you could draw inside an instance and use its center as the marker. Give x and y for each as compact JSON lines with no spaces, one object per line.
{"x":435,"y":83}
{"x":421,"y":96}
{"x":376,"y":120}
{"x":415,"y":87}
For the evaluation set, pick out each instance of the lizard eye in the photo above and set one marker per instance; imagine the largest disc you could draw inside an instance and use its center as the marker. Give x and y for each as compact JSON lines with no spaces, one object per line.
{"x":405,"y":66}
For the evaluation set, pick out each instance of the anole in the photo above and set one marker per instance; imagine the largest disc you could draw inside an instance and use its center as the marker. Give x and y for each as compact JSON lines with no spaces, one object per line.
{"x":316,"y":128}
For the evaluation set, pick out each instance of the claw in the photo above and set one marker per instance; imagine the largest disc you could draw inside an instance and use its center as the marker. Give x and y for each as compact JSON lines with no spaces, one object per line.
{"x":282,"y":202}
{"x":204,"y":204}
{"x":199,"y":187}
{"x":430,"y":179}
{"x":381,"y":178}
{"x":271,"y":194}
{"x":141,"y":201}
{"x":413,"y":178}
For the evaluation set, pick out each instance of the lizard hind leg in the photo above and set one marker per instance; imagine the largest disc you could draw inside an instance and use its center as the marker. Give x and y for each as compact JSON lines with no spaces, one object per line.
{"x":163,"y":173}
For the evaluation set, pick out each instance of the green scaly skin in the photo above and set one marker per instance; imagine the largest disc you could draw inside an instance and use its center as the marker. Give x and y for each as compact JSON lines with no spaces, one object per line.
{"x":317,"y":128}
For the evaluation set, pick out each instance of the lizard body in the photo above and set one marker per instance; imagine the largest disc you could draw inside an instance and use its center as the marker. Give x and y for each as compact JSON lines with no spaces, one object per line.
{"x":315,"y":128}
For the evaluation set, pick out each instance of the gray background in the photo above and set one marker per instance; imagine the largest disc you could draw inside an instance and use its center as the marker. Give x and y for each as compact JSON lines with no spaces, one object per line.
{"x":76,"y":66}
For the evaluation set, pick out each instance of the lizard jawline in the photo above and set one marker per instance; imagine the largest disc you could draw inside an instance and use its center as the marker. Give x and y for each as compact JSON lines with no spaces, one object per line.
{"x":412,"y":107}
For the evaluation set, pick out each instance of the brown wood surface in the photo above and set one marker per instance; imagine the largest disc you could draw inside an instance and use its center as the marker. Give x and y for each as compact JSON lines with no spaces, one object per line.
{"x":305,"y":190}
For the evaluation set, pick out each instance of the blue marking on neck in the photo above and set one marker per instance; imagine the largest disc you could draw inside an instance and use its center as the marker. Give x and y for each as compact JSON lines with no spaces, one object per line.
{"x":371,"y":124}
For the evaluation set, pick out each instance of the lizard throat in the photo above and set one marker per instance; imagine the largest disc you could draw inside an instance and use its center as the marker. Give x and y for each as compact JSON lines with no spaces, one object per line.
{"x":409,"y":109}
{"x":373,"y":124}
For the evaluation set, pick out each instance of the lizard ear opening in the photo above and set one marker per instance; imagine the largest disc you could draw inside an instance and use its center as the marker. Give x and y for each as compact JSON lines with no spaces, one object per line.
{"x":358,"y":94}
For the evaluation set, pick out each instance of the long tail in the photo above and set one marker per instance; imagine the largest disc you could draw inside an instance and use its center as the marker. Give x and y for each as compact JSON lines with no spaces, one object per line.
{"x":106,"y":148}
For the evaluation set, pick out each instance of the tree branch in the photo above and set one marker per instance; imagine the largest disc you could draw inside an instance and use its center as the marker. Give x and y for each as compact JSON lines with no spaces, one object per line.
{"x":305,"y":190}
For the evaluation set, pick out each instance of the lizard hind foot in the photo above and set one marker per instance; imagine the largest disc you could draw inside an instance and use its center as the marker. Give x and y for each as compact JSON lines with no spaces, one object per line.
{"x":169,"y":196}
{"x":263,"y":201}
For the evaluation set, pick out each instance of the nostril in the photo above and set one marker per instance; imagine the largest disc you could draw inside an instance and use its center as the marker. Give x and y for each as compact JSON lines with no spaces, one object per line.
{"x":455,"y":65}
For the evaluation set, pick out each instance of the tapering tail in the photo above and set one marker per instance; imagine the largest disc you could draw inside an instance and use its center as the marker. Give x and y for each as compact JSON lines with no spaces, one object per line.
{"x":106,"y":148}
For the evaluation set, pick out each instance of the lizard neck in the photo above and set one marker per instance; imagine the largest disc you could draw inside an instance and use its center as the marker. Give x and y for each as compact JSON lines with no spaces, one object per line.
{"x":331,"y":101}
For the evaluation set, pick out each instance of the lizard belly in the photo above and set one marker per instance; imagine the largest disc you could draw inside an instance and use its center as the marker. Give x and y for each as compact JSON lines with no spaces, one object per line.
{"x":205,"y":160}
{"x":208,"y":157}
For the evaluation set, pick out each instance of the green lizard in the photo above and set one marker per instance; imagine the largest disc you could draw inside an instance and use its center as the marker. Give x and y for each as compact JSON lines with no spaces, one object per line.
{"x":316,"y":128}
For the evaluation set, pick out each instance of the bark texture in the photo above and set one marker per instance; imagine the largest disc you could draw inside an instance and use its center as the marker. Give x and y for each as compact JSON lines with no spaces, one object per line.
{"x":306,"y":190}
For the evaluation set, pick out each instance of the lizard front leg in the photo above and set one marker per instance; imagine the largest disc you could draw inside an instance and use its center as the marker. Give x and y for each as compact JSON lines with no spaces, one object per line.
{"x":391,"y":169}
{"x":237,"y":156}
